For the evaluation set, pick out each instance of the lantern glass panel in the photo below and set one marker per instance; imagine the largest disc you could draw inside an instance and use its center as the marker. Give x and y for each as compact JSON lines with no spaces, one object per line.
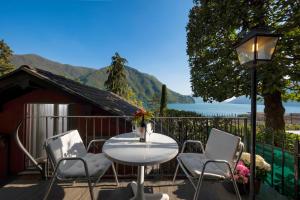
{"x":266,"y":47}
{"x":246,"y":51}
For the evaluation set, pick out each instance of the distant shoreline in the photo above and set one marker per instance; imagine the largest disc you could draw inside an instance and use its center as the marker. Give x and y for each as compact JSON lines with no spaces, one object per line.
{"x":223,"y":108}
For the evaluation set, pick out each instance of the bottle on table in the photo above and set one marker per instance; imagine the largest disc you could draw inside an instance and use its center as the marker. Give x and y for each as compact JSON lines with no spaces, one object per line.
{"x":143,"y":130}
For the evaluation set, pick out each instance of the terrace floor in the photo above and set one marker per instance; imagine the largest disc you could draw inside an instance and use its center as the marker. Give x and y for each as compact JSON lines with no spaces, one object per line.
{"x":34,"y":190}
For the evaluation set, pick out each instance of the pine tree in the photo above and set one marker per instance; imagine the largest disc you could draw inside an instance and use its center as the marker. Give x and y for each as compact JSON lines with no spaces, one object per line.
{"x":5,"y":56}
{"x":163,"y":100}
{"x":116,"y":81}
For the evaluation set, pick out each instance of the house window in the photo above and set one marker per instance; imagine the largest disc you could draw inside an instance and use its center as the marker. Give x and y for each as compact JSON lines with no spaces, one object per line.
{"x":43,"y":121}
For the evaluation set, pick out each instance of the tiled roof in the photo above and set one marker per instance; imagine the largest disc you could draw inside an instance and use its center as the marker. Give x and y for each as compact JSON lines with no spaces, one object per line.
{"x":106,"y":100}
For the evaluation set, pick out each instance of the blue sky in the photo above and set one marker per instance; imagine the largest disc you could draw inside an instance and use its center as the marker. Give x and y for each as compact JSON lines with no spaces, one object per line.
{"x":150,"y":34}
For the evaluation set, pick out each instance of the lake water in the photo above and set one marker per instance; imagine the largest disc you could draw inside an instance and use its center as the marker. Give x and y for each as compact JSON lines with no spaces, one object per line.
{"x":225,"y":108}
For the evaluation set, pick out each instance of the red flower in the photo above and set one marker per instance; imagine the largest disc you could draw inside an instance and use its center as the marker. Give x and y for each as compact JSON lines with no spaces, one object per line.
{"x":242,"y":173}
{"x":140,"y":113}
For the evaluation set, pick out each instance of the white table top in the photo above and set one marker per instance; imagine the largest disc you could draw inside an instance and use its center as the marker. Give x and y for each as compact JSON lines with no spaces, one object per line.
{"x":126,"y":149}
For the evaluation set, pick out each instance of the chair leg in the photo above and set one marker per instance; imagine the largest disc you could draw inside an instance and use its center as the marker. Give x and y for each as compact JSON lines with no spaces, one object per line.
{"x":235,"y":185}
{"x":91,"y":188}
{"x":50,"y":187}
{"x":89,"y":179}
{"x":199,"y":184}
{"x":176,"y":172}
{"x":237,"y":192}
{"x":97,"y":181}
{"x":201,"y":180}
{"x":115,"y":173}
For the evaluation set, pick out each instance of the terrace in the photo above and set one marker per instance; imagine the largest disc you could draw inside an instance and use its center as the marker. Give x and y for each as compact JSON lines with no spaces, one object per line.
{"x":158,"y":178}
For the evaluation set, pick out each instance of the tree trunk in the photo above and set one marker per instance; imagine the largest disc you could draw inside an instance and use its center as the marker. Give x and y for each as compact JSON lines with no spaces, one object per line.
{"x":274,"y":111}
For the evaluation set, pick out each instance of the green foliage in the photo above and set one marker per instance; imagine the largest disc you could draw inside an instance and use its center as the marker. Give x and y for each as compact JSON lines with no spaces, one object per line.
{"x":5,"y":56}
{"x":153,"y":103}
{"x":213,"y":29}
{"x":116,"y":81}
{"x":163,"y":100}
{"x":282,"y":140}
{"x":143,"y":85}
{"x":131,"y":97}
{"x":181,"y":113}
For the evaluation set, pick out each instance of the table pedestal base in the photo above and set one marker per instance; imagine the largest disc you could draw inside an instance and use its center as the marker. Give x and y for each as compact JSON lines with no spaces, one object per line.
{"x":138,"y":189}
{"x":146,"y":196}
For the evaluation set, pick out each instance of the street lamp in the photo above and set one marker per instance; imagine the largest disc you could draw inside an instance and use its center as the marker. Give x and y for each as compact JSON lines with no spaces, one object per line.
{"x":257,"y":46}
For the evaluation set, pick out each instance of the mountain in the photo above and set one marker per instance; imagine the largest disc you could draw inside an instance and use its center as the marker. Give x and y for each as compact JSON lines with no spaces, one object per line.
{"x":198,"y":100}
{"x":144,"y":85}
{"x":243,"y":100}
{"x":246,"y":100}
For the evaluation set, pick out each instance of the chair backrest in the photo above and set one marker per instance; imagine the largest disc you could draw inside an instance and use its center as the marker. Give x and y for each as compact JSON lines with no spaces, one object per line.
{"x":222,"y":146}
{"x":68,"y":144}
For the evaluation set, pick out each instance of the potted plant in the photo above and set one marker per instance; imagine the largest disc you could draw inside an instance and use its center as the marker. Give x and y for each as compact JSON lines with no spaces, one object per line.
{"x":141,"y":121}
{"x":241,"y":176}
{"x":261,"y":170}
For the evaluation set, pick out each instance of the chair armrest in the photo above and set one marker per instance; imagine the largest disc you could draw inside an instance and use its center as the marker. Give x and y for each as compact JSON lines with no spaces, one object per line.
{"x":70,"y":158}
{"x":192,"y":141}
{"x":73,"y":158}
{"x":94,"y":141}
{"x":218,"y":161}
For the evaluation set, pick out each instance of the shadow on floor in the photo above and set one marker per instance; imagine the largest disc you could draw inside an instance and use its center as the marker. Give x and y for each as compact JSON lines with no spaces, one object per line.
{"x":209,"y":191}
{"x":113,"y":193}
{"x":30,"y":191}
{"x":181,"y":190}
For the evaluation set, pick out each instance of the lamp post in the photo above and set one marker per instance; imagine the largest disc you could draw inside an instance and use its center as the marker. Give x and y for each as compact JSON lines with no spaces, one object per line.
{"x":257,"y":46}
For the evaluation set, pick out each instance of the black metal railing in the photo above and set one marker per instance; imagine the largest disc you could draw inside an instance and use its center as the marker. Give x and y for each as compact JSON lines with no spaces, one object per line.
{"x":93,"y":127}
{"x":283,"y":156}
{"x":281,"y":150}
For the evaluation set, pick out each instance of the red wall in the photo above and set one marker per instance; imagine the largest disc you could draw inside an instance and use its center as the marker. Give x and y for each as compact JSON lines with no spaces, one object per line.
{"x":13,"y":111}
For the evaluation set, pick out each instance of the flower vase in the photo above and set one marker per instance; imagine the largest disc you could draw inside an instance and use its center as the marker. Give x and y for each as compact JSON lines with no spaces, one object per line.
{"x":144,"y":132}
{"x":149,"y":130}
{"x":257,"y":184}
{"x":243,"y":188}
{"x":140,"y":132}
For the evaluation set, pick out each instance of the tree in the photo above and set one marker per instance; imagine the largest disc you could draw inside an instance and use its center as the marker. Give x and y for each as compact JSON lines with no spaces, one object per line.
{"x":5,"y":56}
{"x":154,"y":103}
{"x":131,"y":97}
{"x":213,"y":29}
{"x":117,"y":82}
{"x":163,"y":100}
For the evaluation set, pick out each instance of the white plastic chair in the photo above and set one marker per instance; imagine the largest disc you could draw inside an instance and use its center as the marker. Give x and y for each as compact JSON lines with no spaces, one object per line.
{"x":217,"y":162}
{"x":71,"y":160}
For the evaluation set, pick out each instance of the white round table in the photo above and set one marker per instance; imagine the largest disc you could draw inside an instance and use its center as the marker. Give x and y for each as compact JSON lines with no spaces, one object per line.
{"x":126,"y":149}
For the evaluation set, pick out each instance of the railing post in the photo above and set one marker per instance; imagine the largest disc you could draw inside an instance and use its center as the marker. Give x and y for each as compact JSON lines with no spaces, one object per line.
{"x":296,"y":168}
{"x":94,"y":134}
{"x":272,"y":160}
{"x":283,"y":163}
{"x":86,"y":132}
{"x":207,"y":129}
{"x":246,"y":138}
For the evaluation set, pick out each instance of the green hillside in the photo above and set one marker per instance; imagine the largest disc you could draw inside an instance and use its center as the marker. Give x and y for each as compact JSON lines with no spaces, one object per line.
{"x":144,"y":85}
